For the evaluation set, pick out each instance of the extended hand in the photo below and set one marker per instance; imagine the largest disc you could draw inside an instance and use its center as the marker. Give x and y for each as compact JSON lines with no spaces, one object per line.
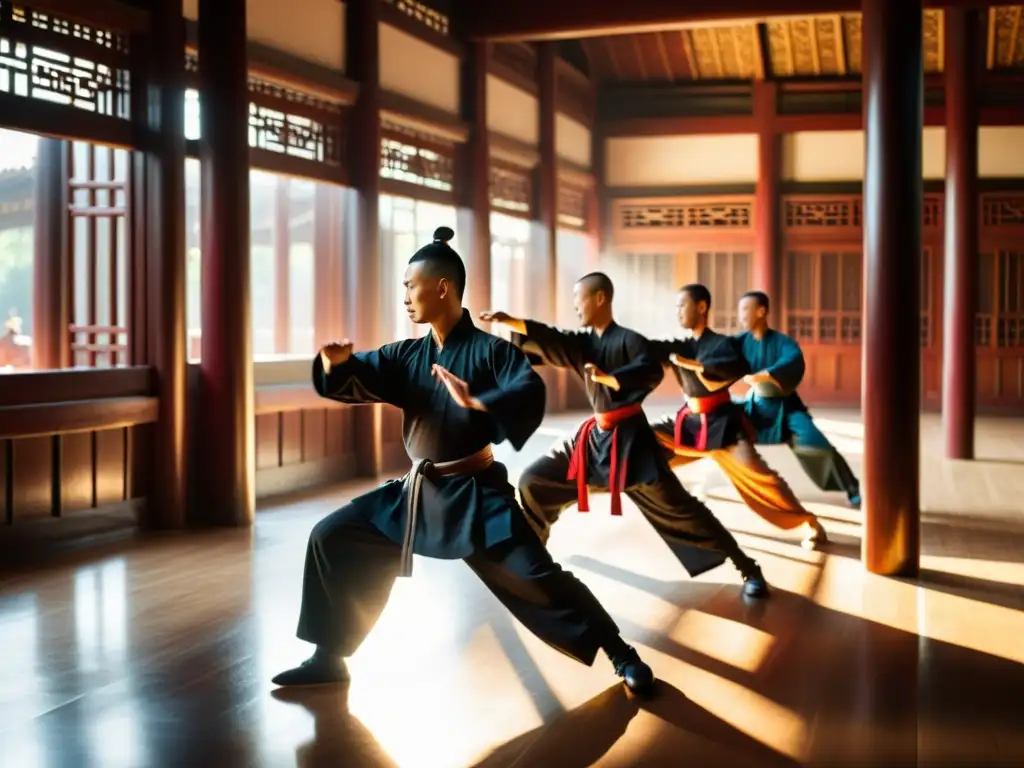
{"x":685,"y":363}
{"x":493,"y":316}
{"x":757,"y":378}
{"x":336,"y":353}
{"x":600,"y":377}
{"x":457,"y":388}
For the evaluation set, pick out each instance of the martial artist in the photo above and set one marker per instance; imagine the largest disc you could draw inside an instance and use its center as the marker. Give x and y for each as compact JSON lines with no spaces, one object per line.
{"x":460,"y":390}
{"x":775,"y":408}
{"x":711,"y":425}
{"x":616,"y":449}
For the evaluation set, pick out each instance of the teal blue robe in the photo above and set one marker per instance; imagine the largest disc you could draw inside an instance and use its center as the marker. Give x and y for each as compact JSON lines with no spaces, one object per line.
{"x":780,"y":416}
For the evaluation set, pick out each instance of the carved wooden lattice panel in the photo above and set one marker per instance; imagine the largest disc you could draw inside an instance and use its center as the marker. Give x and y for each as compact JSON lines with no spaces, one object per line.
{"x":405,"y":159}
{"x":288,"y":121}
{"x":738,"y":215}
{"x":1002,"y":211}
{"x":428,"y":17}
{"x":511,"y":190}
{"x":49,"y":58}
{"x":294,"y":123}
{"x":572,"y":206}
{"x":931,"y":214}
{"x":822,"y":214}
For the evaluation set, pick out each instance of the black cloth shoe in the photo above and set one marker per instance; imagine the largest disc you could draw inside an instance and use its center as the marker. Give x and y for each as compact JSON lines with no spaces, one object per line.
{"x":319,"y":669}
{"x":754,"y":584}
{"x":637,"y":676}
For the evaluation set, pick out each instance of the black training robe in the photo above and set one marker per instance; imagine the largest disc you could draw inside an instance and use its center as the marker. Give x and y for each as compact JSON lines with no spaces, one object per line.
{"x":624,"y":354}
{"x":723,"y":360}
{"x":460,"y":514}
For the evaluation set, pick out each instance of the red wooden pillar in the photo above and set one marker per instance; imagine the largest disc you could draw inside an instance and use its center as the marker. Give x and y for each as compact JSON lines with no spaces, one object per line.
{"x":961,"y":269}
{"x":362,"y":45}
{"x":893,"y":190}
{"x":765,"y":275}
{"x":50,"y":260}
{"x":474,"y":181}
{"x":547,"y":178}
{"x":545,"y":252}
{"x":159,"y":178}
{"x":227,"y":494}
{"x":597,"y":224}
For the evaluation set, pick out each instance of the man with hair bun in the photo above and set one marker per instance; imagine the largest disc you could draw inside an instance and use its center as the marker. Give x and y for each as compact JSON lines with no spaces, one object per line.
{"x":460,"y":390}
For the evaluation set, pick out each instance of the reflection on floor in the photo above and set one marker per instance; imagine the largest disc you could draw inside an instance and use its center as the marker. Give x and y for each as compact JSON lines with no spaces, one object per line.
{"x":160,"y":653}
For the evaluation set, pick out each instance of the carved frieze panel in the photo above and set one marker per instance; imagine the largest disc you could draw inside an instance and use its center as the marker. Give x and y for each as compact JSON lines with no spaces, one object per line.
{"x":808,"y":45}
{"x":932,"y":31}
{"x":1006,"y":37}
{"x":511,"y":190}
{"x":572,"y":206}
{"x":1002,"y":211}
{"x":822,"y":213}
{"x":423,"y":14}
{"x":716,"y":215}
{"x":731,"y":53}
{"x":420,"y":165}
{"x":48,"y":58}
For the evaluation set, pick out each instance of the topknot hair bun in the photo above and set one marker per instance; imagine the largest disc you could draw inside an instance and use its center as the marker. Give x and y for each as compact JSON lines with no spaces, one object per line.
{"x":443,"y":235}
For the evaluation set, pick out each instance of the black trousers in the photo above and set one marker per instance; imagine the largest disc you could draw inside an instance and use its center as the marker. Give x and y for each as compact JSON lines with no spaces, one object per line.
{"x":351,"y":568}
{"x":696,"y":537}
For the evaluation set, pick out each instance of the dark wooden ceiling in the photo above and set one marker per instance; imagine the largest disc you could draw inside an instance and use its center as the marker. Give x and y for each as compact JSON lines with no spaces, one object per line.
{"x":799,"y":46}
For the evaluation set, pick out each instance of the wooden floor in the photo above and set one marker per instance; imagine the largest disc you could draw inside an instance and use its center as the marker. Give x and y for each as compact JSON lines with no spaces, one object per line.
{"x":160,"y":653}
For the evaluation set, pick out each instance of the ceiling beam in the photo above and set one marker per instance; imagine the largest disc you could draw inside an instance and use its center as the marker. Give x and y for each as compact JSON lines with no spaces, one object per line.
{"x":568,"y":19}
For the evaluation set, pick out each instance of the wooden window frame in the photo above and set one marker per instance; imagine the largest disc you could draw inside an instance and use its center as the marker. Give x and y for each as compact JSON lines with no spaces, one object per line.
{"x":724,"y":314}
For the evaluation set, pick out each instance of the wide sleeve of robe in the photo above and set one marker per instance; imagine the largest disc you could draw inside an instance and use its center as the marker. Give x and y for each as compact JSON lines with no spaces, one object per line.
{"x":724,"y":361}
{"x":787,"y":362}
{"x":376,"y":376}
{"x":644,"y":371}
{"x":547,"y":345}
{"x":662,"y":349}
{"x":516,"y":404}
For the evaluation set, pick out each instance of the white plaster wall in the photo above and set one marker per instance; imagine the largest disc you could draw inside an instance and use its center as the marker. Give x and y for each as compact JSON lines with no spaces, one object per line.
{"x":572,"y":140}
{"x":418,"y":70}
{"x":681,"y":160}
{"x":313,"y":30}
{"x":512,"y":111}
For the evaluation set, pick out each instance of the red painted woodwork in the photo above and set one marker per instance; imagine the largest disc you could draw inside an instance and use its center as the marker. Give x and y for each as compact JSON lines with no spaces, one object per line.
{"x":765,"y":275}
{"x":474,"y":212}
{"x":961,"y":272}
{"x":893,"y":117}
{"x":226,"y":380}
{"x":546,"y":20}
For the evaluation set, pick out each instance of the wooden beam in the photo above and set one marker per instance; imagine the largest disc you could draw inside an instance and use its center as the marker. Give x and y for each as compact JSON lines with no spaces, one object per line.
{"x":725,"y":124}
{"x":20,"y":421}
{"x":547,"y":20}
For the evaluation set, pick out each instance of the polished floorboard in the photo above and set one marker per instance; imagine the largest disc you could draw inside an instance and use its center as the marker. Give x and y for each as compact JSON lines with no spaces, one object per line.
{"x":159,"y":651}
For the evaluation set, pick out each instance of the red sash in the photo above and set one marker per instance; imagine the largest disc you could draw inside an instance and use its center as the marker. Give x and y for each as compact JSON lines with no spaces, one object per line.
{"x":701,"y":406}
{"x":578,"y":461}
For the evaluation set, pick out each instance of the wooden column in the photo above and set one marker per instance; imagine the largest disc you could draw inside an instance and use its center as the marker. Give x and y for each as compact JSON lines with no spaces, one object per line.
{"x":961,"y":268}
{"x":226,"y":377}
{"x":765,"y":275}
{"x":474,"y":181}
{"x":51,"y":340}
{"x":282,"y":266}
{"x":544,"y":248}
{"x":159,"y":175}
{"x":893,"y":189}
{"x":362,"y":46}
{"x":547,"y":180}
{"x":598,"y":226}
